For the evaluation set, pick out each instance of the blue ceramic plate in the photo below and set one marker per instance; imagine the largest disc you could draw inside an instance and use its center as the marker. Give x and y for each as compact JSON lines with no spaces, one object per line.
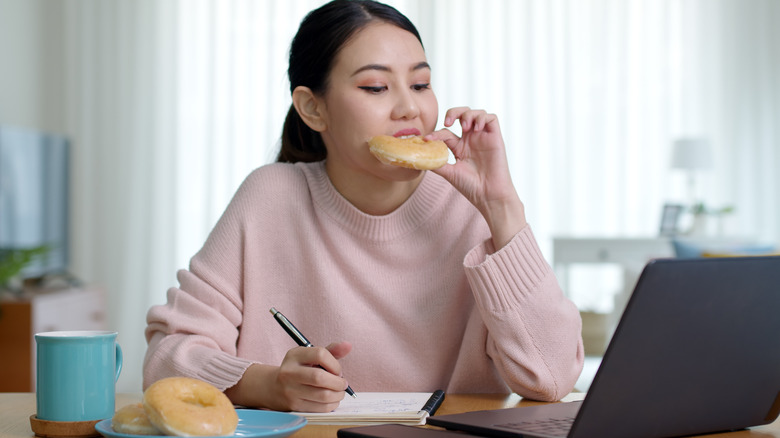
{"x":251,"y":424}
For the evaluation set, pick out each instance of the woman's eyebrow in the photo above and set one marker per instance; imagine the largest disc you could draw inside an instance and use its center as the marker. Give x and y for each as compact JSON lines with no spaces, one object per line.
{"x":421,"y":66}
{"x":380,"y":67}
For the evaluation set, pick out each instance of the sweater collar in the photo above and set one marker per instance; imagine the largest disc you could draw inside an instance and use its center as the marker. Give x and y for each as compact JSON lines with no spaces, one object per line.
{"x":427,"y":199}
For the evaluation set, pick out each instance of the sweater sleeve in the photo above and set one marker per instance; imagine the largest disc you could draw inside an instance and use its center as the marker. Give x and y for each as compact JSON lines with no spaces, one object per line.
{"x":195,"y":334}
{"x":534,"y":331}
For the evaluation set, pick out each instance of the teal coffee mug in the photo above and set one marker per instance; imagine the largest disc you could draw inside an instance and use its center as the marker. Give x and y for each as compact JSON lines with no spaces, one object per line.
{"x":76,"y":374}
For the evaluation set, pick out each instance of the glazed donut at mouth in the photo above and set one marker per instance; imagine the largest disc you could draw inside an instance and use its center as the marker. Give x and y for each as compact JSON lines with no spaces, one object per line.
{"x":185,"y":406}
{"x":411,"y":152}
{"x":132,"y":420}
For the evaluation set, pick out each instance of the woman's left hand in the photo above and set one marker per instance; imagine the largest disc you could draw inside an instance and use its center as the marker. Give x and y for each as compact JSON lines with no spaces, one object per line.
{"x":481,"y":172}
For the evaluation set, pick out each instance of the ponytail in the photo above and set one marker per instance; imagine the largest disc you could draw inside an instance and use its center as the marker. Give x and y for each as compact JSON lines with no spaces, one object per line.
{"x":299,"y":142}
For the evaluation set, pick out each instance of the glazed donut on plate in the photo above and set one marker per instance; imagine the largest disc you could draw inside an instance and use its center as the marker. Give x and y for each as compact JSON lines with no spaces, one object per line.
{"x":185,"y":406}
{"x":132,"y":420}
{"x":411,"y":152}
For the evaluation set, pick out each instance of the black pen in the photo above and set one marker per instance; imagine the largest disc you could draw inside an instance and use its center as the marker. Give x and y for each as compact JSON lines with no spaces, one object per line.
{"x":433,"y":403}
{"x":298,"y":337}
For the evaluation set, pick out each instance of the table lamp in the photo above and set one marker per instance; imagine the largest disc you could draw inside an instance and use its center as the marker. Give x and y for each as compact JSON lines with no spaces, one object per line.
{"x":691,"y":155}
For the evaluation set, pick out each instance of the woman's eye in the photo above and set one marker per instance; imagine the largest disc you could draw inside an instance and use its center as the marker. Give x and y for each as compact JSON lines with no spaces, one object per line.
{"x":374,"y":90}
{"x":420,"y":87}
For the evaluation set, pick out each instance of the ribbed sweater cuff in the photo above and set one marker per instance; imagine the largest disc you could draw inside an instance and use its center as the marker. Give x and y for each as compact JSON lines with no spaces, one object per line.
{"x":496,"y":277}
{"x":224,"y":371}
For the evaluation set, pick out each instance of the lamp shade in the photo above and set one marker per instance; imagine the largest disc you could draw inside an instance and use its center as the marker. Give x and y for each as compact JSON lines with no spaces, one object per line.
{"x":691,"y":154}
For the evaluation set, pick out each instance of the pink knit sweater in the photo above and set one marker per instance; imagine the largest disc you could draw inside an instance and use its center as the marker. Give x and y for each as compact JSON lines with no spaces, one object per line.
{"x":420,"y":293}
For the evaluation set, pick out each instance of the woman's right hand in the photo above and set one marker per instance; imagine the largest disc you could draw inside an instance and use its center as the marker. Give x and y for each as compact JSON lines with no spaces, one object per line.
{"x":298,"y":384}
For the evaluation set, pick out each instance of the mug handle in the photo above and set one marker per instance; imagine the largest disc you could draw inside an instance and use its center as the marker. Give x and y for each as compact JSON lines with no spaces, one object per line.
{"x":118,"y":361}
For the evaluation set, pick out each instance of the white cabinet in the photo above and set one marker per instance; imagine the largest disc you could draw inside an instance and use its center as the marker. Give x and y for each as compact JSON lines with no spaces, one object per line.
{"x":629,"y":255}
{"x":40,"y":310}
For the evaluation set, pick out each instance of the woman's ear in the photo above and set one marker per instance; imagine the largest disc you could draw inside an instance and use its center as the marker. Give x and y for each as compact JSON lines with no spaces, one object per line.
{"x":310,"y":108}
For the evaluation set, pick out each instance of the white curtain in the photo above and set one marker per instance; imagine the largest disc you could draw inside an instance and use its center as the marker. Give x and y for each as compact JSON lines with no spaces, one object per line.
{"x":172,"y":103}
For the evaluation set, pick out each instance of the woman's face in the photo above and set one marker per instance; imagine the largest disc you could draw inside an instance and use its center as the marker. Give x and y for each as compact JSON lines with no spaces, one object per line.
{"x":379,"y":84}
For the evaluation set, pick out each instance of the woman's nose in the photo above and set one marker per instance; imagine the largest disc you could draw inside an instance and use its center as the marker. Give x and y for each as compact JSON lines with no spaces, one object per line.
{"x":406,"y":106}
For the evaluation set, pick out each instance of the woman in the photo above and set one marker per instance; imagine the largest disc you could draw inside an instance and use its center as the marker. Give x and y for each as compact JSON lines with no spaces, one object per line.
{"x":431,"y":279}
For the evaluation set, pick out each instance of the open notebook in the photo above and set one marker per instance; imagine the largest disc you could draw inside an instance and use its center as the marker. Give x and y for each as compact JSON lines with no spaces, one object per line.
{"x":381,"y":407}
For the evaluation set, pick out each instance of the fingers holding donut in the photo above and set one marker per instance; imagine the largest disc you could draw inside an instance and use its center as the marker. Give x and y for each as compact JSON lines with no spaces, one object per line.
{"x":480,"y":132}
{"x":432,"y":151}
{"x":470,"y":120}
{"x":481,"y":171}
{"x":480,"y":157}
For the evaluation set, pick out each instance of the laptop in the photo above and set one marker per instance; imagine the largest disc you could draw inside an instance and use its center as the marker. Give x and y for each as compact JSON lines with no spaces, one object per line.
{"x":697,"y":350}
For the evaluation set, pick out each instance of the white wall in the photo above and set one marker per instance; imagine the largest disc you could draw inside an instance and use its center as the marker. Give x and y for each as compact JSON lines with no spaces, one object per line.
{"x":20,"y":77}
{"x":31,"y":91}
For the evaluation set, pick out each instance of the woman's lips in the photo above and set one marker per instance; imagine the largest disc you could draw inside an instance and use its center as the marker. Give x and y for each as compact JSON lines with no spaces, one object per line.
{"x":409,"y":132}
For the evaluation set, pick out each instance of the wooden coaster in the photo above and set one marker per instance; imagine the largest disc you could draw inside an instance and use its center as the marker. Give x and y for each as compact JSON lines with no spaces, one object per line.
{"x":61,"y":429}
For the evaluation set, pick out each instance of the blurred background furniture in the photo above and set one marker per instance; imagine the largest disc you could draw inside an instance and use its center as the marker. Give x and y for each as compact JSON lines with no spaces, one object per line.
{"x":38,"y":310}
{"x":693,"y":247}
{"x":628,"y":255}
{"x":602,"y":296}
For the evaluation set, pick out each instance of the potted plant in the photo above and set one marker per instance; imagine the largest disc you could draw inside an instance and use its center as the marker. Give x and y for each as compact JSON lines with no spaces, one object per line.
{"x":13,"y":261}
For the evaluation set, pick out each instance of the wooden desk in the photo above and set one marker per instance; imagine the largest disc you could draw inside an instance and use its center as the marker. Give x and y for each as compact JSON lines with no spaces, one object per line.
{"x":16,"y":408}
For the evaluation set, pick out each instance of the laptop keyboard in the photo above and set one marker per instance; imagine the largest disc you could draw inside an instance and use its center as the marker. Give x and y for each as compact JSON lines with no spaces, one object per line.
{"x":547,"y":426}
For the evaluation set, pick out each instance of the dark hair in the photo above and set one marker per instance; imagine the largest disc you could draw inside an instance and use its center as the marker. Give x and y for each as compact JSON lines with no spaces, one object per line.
{"x":322,"y":33}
